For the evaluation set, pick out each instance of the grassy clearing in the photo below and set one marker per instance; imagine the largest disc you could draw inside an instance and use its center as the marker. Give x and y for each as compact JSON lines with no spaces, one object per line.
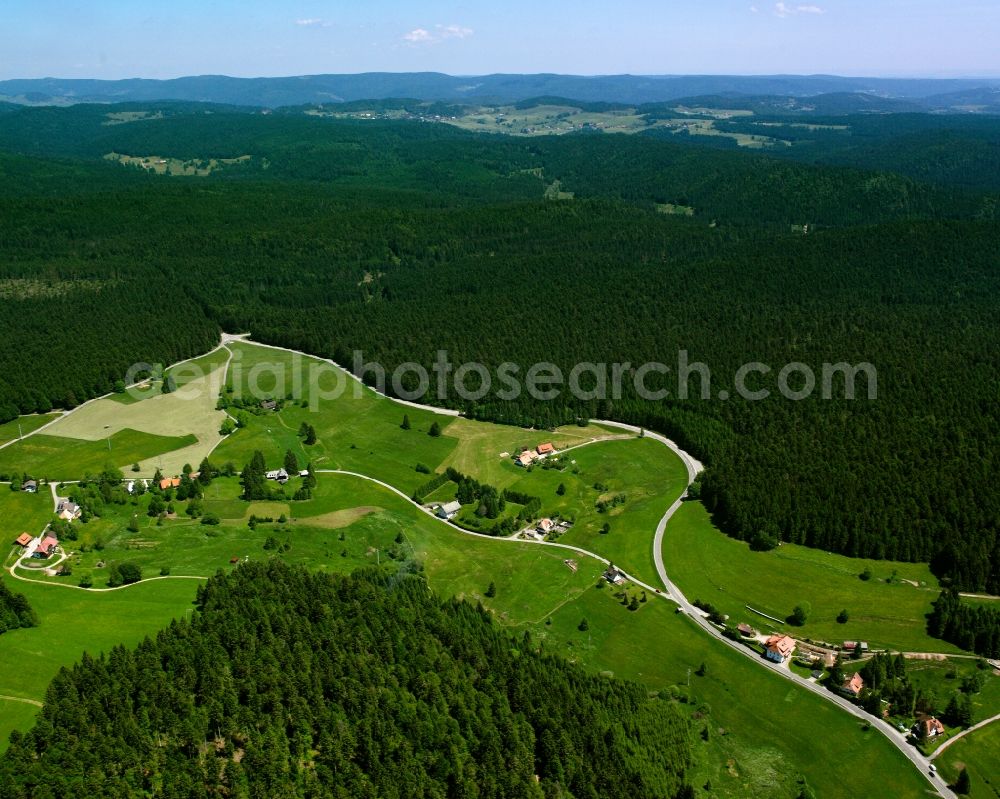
{"x":24,"y":425}
{"x":190,"y":371}
{"x":941,"y":679}
{"x":649,"y":475}
{"x":164,"y":165}
{"x":74,"y":622}
{"x":349,"y":522}
{"x":480,"y":445}
{"x":15,"y":716}
{"x":675,"y":210}
{"x":58,"y":458}
{"x":979,"y":752}
{"x":710,"y":566}
{"x":764,"y":733}
{"x":358,"y":431}
{"x":22,"y":513}
{"x":124,"y":117}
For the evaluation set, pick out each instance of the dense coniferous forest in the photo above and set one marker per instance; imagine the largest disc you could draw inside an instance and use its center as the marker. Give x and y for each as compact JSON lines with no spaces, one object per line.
{"x":976,"y":628}
{"x":15,"y":611}
{"x":400,"y":239}
{"x":286,"y":684}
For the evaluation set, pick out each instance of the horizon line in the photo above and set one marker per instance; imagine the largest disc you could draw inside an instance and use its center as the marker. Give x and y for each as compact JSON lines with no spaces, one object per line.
{"x":656,"y":75}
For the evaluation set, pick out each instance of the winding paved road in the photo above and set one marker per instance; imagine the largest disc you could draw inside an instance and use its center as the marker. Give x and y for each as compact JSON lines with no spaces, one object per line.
{"x":672,"y":593}
{"x":922,"y":763}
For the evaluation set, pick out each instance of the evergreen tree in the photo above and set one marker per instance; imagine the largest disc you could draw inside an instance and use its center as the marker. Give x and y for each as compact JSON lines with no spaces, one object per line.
{"x":962,"y":784}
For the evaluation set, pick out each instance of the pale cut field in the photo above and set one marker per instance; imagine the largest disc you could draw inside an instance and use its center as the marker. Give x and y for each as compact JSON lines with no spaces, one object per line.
{"x":190,"y":409}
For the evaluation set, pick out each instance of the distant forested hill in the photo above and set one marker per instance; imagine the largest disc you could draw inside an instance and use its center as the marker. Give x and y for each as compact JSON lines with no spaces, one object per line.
{"x":400,"y":239}
{"x":297,"y":90}
{"x":315,"y":685}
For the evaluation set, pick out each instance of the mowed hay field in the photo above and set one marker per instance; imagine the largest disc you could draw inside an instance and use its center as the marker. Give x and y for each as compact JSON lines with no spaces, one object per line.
{"x":708,"y":565}
{"x":979,"y":752}
{"x":182,"y":427}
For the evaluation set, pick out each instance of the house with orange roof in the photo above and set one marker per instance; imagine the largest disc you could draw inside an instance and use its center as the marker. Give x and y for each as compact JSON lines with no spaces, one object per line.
{"x":545,"y":449}
{"x":47,"y":547}
{"x":854,"y":686}
{"x":526,"y":458}
{"x":24,"y":539}
{"x":930,"y":728}
{"x":779,"y":648}
{"x":169,"y":482}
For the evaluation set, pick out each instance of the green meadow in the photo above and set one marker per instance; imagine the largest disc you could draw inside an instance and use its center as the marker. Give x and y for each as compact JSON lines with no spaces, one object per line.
{"x":649,"y":475}
{"x":24,"y":425}
{"x":979,"y":752}
{"x":764,"y":734}
{"x":940,"y":680}
{"x":21,"y":512}
{"x":361,"y":431}
{"x":886,"y":610}
{"x":74,"y":622}
{"x":62,"y":458}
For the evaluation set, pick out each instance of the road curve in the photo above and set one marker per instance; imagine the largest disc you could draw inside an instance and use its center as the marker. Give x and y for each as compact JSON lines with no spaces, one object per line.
{"x":576,"y":550}
{"x":963,"y":733}
{"x":922,"y":763}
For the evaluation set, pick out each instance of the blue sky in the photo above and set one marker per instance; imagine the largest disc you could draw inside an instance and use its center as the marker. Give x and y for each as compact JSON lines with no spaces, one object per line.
{"x":169,"y":38}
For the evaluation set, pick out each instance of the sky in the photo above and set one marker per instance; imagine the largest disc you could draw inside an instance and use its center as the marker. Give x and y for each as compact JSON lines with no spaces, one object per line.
{"x":170,"y":38}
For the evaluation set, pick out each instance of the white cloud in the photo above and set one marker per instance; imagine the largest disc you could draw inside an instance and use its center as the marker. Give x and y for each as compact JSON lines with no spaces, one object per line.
{"x":455,"y":32}
{"x":754,"y":9}
{"x":784,"y":10}
{"x":313,"y":23}
{"x":418,"y":36}
{"x":439,"y":34}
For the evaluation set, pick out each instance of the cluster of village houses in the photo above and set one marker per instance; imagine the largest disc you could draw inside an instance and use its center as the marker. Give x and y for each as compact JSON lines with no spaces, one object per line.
{"x":46,"y":544}
{"x":540,"y":529}
{"x":529,"y":456}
